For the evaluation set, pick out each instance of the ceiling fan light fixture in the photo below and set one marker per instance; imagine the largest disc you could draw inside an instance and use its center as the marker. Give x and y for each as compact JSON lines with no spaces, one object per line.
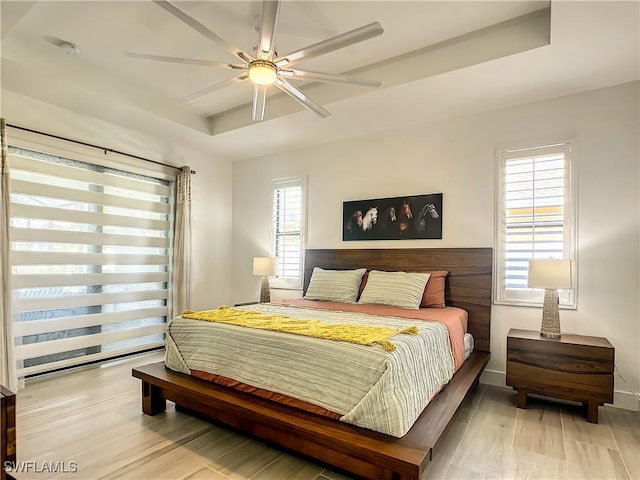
{"x":262,"y":72}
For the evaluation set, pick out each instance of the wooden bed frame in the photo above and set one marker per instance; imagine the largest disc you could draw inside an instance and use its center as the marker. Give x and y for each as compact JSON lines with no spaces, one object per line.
{"x":353,"y":449}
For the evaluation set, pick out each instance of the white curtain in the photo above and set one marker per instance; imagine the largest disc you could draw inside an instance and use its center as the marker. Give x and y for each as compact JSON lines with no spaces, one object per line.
{"x":8,"y":376}
{"x":182,"y":243}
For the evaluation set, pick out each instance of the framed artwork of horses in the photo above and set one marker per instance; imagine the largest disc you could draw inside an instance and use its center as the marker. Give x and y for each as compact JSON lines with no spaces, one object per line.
{"x":396,"y":218}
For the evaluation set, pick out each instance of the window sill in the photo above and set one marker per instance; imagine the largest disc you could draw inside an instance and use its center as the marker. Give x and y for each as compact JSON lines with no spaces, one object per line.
{"x":516,"y":303}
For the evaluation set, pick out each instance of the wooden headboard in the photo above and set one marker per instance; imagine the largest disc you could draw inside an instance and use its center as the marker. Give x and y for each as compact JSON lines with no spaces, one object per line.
{"x":467,"y":286}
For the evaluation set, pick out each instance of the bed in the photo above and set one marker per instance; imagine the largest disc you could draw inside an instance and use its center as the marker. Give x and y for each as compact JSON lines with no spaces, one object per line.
{"x":357,"y":450}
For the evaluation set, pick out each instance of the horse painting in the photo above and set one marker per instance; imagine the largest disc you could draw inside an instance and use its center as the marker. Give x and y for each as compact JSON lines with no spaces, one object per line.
{"x":394,"y":218}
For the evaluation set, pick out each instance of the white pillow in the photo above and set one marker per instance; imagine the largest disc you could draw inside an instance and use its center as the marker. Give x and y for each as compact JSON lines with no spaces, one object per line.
{"x":398,"y":289}
{"x":334,"y":285}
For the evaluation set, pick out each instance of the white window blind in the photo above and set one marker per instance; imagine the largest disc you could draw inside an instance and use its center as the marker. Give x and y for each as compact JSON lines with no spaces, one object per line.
{"x":536,"y":218}
{"x":288,"y":229}
{"x":90,"y":255}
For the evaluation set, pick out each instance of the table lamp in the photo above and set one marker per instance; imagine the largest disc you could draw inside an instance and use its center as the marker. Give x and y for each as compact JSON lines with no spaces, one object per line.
{"x":265,"y":267}
{"x":551,"y":275}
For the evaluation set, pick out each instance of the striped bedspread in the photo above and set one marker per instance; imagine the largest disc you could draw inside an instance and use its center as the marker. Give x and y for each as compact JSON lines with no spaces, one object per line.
{"x":369,"y":387}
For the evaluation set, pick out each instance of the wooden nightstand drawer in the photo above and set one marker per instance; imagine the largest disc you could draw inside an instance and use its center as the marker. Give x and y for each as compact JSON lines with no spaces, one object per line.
{"x":549,"y":382}
{"x":561,"y":356}
{"x":573,"y":367}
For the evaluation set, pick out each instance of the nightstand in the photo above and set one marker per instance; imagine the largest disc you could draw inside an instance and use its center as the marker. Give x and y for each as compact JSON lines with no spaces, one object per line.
{"x":573,"y":367}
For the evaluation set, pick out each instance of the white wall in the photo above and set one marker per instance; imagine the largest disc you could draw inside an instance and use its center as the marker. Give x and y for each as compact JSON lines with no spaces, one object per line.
{"x":210,"y":230}
{"x":456,"y":157}
{"x":211,"y":186}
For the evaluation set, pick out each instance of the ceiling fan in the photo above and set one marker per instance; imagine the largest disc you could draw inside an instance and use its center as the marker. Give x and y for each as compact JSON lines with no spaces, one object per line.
{"x":267,"y":67}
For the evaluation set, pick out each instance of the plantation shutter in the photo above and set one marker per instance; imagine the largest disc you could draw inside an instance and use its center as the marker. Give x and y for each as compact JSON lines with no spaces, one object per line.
{"x":90,"y":257}
{"x":287,"y":227}
{"x":536,"y":217}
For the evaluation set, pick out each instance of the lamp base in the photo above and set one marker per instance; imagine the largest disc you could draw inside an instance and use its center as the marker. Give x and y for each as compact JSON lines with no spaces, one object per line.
{"x":551,"y":335}
{"x":550,"y":315}
{"x":265,"y":291}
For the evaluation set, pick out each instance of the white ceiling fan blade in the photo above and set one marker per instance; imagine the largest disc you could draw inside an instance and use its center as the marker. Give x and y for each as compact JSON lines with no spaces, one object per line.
{"x":259,"y":103}
{"x":268,"y":29}
{"x":296,"y":94}
{"x":216,"y":86}
{"x":187,"y":61}
{"x":340,"y":41}
{"x":326,"y":77}
{"x":196,"y":25}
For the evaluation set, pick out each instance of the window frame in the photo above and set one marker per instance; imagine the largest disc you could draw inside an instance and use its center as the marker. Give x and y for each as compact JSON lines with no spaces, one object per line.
{"x":529,"y":296}
{"x":278,"y":282}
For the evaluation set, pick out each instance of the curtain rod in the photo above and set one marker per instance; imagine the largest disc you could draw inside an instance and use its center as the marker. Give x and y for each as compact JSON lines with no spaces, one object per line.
{"x":104,"y":149}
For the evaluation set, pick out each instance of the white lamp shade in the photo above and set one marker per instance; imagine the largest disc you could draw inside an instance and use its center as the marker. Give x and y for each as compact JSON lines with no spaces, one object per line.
{"x":550,"y":274}
{"x":265,"y":266}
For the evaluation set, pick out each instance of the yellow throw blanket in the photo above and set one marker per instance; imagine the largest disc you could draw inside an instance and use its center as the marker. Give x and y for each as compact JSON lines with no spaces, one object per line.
{"x":343,"y":332}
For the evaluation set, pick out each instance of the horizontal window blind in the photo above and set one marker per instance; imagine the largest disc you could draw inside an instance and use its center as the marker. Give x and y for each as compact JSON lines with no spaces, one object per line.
{"x":287,"y":228}
{"x":90,"y":260}
{"x":536,"y":219}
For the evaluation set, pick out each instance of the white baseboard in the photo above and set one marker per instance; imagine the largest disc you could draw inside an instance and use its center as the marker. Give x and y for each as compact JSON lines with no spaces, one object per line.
{"x":626,"y":400}
{"x":495,"y":378}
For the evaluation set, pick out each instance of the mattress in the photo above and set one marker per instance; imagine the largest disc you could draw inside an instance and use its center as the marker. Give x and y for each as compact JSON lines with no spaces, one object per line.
{"x":363,"y":385}
{"x":469,"y":345}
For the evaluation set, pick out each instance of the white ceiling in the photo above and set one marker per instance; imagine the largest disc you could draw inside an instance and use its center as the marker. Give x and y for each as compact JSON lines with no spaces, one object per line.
{"x":452,"y":62}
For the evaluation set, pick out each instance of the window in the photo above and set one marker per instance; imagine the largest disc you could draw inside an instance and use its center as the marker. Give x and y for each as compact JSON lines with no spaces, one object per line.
{"x":90,"y":256}
{"x":288,"y":232}
{"x":536,"y":217}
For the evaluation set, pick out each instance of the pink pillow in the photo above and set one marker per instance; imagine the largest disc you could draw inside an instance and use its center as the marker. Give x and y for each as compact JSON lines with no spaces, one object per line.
{"x":433,"y":296}
{"x":363,"y":283}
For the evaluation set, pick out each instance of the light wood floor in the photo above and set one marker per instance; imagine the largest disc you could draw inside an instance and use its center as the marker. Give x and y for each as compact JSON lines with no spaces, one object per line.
{"x":92,"y":417}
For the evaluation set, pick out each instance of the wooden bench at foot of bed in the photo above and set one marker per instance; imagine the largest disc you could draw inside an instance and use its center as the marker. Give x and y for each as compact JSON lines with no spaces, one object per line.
{"x":357,"y":450}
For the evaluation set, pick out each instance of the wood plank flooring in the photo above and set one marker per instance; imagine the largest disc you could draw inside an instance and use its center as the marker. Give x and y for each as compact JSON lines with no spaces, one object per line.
{"x":90,"y":420}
